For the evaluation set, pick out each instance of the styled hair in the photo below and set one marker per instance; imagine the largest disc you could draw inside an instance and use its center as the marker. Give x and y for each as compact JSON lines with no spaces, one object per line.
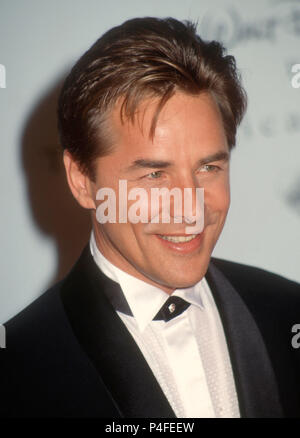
{"x":143,"y":57}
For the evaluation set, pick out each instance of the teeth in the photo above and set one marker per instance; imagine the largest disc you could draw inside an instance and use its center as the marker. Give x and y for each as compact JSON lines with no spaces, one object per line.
{"x":179,"y":239}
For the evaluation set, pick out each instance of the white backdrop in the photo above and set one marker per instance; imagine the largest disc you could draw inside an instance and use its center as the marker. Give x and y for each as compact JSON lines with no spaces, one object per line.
{"x":42,"y":229}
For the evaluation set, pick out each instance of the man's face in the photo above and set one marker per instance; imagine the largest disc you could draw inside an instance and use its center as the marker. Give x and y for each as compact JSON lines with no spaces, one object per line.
{"x":189,"y":150}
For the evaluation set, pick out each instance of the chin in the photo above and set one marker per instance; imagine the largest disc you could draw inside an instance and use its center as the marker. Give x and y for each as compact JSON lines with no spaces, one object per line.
{"x":183,"y":282}
{"x":183,"y":275}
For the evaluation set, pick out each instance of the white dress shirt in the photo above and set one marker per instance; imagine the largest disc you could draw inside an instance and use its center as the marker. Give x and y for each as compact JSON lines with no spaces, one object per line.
{"x":188,"y":355}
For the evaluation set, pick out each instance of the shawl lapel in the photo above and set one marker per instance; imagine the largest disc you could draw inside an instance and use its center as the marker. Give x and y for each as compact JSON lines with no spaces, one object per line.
{"x":109,"y":345}
{"x":254,"y":376}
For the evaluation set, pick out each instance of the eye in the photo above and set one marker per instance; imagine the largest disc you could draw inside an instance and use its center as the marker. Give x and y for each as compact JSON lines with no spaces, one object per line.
{"x":209,"y":168}
{"x":154,"y":175}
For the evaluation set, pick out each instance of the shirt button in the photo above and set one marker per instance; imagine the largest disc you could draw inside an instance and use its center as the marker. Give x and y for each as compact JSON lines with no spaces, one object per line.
{"x":172,"y":308}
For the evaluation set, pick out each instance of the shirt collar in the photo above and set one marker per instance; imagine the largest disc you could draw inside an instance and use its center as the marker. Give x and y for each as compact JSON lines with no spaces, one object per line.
{"x":144,"y":299}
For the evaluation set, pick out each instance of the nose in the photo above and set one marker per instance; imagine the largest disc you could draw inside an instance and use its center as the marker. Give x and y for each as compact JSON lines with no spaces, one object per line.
{"x":191,"y":211}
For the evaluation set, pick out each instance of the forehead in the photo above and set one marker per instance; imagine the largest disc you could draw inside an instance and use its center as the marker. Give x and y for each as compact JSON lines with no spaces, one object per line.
{"x":183,"y":121}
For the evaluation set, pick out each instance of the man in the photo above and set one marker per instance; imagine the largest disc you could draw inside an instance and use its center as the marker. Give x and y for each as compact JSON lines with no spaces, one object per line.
{"x":147,"y":324}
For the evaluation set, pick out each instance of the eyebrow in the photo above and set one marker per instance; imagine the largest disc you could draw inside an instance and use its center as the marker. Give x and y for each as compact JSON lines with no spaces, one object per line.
{"x":218,"y":156}
{"x":152,"y":164}
{"x":142,"y":163}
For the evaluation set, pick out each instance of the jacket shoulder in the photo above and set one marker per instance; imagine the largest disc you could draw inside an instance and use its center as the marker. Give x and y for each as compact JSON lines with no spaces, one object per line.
{"x":43,"y":311}
{"x":44,"y":371}
{"x":244,"y":278}
{"x":269,"y":296}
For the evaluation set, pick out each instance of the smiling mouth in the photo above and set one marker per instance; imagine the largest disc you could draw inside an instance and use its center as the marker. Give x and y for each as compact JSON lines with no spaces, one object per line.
{"x":181,"y":243}
{"x":179,"y":239}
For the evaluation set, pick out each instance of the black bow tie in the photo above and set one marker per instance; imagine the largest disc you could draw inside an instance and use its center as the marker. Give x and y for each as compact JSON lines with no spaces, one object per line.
{"x":173,"y":307}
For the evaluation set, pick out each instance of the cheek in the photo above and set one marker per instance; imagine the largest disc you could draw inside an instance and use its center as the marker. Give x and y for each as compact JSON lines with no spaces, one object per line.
{"x":224,"y":200}
{"x":126,"y":237}
{"x":217,"y":196}
{"x":222,"y":205}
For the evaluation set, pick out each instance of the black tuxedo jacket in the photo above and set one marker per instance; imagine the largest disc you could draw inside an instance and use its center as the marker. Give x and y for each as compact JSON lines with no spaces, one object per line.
{"x":69,"y":354}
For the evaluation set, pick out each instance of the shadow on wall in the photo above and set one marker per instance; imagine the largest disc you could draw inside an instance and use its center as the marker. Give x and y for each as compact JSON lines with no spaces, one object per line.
{"x":53,"y":208}
{"x":293,"y":196}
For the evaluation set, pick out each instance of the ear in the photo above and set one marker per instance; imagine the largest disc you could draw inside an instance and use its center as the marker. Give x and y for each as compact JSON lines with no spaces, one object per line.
{"x":79,"y":183}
